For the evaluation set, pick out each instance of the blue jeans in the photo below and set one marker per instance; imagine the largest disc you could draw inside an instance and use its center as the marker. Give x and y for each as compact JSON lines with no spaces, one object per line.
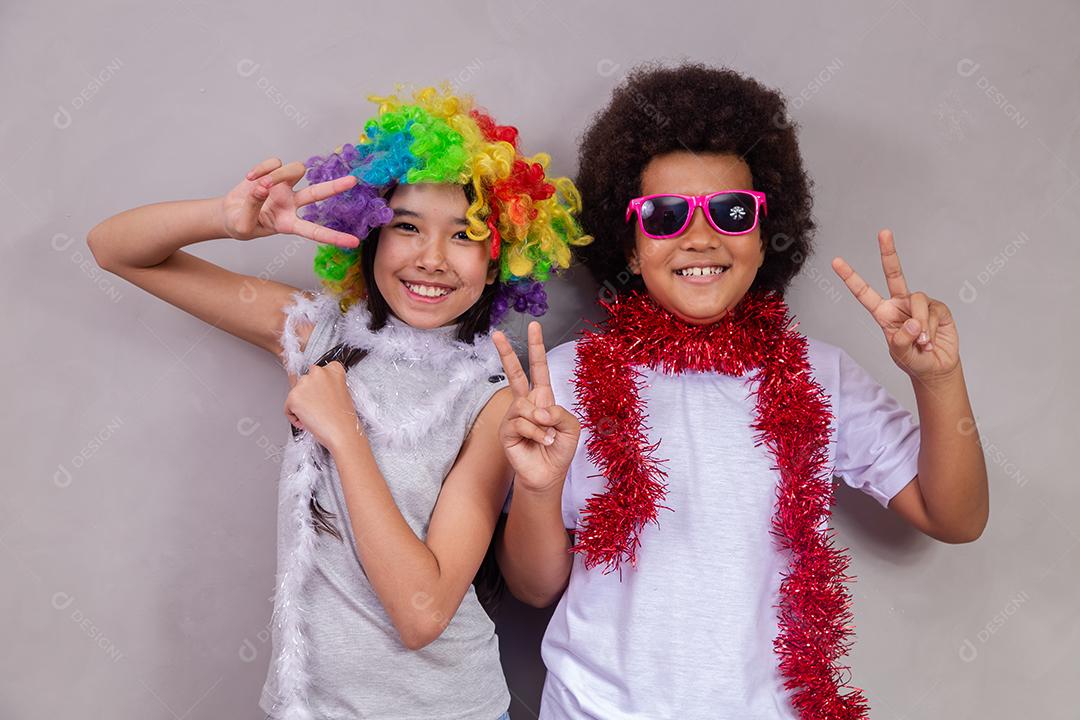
{"x":504,"y":716}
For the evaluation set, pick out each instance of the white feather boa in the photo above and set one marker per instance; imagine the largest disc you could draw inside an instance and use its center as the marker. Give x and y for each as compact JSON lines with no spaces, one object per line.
{"x":459,"y":364}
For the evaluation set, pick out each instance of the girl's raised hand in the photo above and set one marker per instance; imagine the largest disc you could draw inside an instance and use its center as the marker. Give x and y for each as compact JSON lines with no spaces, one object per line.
{"x":264,"y":203}
{"x":539,"y":437}
{"x":920,"y":331}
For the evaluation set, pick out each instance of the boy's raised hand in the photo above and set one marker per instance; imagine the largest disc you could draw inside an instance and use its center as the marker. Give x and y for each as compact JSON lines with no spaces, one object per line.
{"x":264,"y":203}
{"x":920,"y":330}
{"x":539,"y":437}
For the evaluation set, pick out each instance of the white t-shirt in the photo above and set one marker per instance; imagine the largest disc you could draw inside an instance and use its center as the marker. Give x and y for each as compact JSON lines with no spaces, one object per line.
{"x":689,"y":632}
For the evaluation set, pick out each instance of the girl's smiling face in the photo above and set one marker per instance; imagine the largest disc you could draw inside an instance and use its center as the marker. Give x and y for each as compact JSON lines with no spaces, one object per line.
{"x":705,"y":298}
{"x":426,"y":267}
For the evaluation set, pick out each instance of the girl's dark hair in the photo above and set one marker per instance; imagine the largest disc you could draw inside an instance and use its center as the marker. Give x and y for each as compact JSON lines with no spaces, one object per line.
{"x":489,"y":582}
{"x":700,"y":109}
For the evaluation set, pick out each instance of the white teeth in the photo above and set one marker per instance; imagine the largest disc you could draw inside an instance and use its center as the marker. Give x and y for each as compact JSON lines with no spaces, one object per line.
{"x":714,"y":270}
{"x":427,"y":290}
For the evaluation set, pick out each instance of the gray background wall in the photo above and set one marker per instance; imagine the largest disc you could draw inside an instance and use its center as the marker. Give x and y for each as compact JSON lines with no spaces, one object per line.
{"x":137,"y":511}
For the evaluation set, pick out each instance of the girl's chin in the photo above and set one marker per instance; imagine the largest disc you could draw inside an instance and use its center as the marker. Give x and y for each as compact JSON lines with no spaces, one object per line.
{"x":425,"y":319}
{"x":425,"y":315}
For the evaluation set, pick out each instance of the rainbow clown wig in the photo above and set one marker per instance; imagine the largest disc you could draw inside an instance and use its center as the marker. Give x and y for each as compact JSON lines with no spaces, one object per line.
{"x":440,"y":137}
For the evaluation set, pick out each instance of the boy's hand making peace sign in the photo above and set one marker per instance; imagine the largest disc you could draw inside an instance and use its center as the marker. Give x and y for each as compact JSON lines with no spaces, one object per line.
{"x":539,"y":437}
{"x":920,"y":330}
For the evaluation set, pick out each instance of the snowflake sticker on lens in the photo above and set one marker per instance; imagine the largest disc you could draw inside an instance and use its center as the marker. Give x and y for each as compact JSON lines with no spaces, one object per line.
{"x":737,"y":212}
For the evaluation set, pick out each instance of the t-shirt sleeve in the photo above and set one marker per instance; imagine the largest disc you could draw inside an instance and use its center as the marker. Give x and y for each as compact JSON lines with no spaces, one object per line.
{"x":877,"y":440}
{"x":569,"y":509}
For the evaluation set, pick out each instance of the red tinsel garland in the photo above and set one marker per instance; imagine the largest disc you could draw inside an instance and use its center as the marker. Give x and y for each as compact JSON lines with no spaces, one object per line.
{"x":792,"y":419}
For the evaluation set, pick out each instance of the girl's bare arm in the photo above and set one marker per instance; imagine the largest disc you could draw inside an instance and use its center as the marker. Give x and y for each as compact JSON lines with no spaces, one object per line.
{"x":143,"y":246}
{"x":533,"y":548}
{"x":421,"y":583}
{"x":949,"y":498}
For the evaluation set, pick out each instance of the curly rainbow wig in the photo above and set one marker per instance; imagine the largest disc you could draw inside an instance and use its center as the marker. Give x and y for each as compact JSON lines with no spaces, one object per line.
{"x":440,"y":137}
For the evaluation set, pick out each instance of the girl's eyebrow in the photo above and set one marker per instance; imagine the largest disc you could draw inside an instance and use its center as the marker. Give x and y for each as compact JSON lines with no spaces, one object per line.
{"x":405,"y":212}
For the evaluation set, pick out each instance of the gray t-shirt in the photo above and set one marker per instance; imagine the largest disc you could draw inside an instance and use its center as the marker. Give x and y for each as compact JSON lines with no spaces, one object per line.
{"x":358,"y":666}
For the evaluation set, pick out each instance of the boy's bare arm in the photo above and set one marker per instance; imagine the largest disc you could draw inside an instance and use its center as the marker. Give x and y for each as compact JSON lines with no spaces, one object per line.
{"x":540,"y":439}
{"x":534,"y":547}
{"x":949,"y":499}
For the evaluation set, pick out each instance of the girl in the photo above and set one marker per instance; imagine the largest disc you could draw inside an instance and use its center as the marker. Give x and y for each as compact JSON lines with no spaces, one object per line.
{"x":391,"y":488}
{"x":715,"y":426}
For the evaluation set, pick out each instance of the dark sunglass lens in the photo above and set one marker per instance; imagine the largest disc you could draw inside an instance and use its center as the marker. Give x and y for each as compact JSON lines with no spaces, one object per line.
{"x":733,"y":212}
{"x":663,"y":215}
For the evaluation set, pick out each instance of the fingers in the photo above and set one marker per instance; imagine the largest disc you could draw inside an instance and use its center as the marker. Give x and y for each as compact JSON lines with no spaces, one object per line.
{"x":539,"y":424}
{"x":523,"y":419}
{"x":939,"y":315}
{"x":323,"y":190}
{"x":522,"y":428}
{"x":920,"y":330}
{"x":336,"y":367}
{"x":290,"y":173}
{"x":309,"y":391}
{"x":321,"y":233}
{"x":920,"y":312}
{"x":890,"y":263}
{"x":538,"y":367}
{"x":267,"y":174}
{"x":515,"y":375}
{"x":290,"y":222}
{"x":262,"y":168}
{"x":523,"y":407}
{"x":259,"y":191}
{"x":903,"y":340}
{"x":931,"y":327}
{"x":293,"y":419}
{"x":557,"y":417}
{"x":944,"y":314}
{"x":862,"y":291}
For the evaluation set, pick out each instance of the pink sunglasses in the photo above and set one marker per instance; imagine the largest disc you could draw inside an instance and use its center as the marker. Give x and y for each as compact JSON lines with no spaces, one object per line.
{"x":729,"y":212}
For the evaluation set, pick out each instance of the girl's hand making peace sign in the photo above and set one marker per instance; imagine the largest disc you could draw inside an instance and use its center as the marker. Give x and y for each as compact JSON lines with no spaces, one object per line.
{"x":264,"y":203}
{"x":539,"y":437}
{"x":920,"y":331}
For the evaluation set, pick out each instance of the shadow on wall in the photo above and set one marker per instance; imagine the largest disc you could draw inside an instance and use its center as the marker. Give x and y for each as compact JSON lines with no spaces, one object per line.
{"x":861,"y":521}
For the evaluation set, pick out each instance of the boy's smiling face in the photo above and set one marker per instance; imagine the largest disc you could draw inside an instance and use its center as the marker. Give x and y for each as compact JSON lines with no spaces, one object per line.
{"x":706,"y":298}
